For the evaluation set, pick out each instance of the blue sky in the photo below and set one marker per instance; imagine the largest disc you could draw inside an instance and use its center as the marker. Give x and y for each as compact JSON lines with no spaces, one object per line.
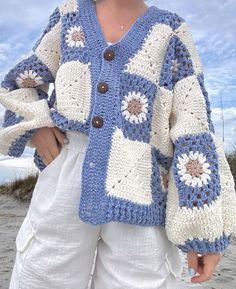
{"x":213,"y":26}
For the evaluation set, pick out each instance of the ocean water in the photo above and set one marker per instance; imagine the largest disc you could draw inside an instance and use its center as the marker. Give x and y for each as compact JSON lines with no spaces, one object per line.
{"x":12,"y":168}
{"x":15,"y":168}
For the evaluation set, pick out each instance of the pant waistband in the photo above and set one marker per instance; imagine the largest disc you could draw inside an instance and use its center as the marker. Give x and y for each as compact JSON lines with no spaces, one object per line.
{"x":77,"y":140}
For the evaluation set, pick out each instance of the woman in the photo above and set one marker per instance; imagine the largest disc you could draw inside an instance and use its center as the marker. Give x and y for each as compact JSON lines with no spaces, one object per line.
{"x":108,"y":59}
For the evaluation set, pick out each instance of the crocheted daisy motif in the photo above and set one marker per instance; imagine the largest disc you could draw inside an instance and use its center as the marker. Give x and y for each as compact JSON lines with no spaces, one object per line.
{"x":75,"y":37}
{"x":134,"y":107}
{"x":193,"y":169}
{"x":29,"y":79}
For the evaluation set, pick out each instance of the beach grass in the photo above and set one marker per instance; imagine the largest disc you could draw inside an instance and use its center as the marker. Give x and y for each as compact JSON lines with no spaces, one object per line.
{"x":20,"y":189}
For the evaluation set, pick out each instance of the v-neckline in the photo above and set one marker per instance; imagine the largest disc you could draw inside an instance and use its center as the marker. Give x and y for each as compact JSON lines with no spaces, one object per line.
{"x":92,"y":25}
{"x":94,"y":12}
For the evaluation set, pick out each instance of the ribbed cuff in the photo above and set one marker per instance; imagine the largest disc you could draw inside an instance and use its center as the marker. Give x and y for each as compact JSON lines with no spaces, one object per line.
{"x":205,"y":246}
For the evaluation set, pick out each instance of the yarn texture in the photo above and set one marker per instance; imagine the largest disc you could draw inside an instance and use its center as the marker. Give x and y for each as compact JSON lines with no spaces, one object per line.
{"x":153,"y":158}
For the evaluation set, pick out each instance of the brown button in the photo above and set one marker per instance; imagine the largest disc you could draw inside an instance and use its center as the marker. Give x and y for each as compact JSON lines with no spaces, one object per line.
{"x":97,"y":121}
{"x":109,"y":54}
{"x":102,"y":87}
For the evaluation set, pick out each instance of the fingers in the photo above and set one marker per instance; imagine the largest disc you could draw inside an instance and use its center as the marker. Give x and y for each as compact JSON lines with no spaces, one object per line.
{"x":47,"y":145}
{"x":61,"y":137}
{"x":192,"y":263}
{"x":53,"y":149}
{"x":46,"y":156}
{"x":209,"y":262}
{"x":49,"y":153}
{"x":200,"y":264}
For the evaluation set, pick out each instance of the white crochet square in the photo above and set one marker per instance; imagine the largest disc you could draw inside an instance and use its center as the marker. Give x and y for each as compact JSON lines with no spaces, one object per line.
{"x":73,"y":88}
{"x":129,"y":170}
{"x":148,"y":61}
{"x":189,"y":111}
{"x":48,"y":51}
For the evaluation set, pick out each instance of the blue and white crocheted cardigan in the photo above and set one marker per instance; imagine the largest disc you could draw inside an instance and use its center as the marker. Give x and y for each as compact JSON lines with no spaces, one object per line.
{"x":143,"y":104}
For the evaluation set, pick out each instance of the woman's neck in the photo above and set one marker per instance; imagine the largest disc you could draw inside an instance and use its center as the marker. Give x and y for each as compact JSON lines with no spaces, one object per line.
{"x":122,"y":6}
{"x":116,"y":16}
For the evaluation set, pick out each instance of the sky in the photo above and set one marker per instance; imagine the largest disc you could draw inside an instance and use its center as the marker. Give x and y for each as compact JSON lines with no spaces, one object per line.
{"x":213,"y":25}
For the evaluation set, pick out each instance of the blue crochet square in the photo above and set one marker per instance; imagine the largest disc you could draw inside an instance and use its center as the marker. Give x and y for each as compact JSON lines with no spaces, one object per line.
{"x":195,"y":168}
{"x":136,"y":106}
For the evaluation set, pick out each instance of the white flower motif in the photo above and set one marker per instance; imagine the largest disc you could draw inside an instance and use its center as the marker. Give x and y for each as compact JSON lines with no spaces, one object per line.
{"x":75,"y":37}
{"x":134,"y":107}
{"x":29,"y":78}
{"x":193,"y":169}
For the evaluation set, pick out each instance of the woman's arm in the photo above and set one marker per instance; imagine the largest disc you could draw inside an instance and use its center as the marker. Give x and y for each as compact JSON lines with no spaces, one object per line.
{"x":24,"y":91}
{"x":201,"y":205}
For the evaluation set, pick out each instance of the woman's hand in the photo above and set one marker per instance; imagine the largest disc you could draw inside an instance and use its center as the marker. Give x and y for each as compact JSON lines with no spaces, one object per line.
{"x":204,"y":264}
{"x":48,"y":141}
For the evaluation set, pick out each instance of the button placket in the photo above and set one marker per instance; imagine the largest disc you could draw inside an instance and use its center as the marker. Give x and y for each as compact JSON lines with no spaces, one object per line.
{"x":92,"y":164}
{"x":102,"y":87}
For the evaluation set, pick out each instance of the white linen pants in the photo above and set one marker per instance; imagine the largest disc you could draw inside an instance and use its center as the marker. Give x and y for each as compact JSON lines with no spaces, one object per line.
{"x":56,"y":250}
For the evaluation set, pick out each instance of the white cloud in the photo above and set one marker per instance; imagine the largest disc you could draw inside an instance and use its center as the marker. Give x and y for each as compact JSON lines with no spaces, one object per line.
{"x":26,"y":14}
{"x":20,"y":30}
{"x":4,"y":50}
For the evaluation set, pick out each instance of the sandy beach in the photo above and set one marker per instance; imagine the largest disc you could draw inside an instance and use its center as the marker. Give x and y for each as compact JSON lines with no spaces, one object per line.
{"x":12,"y":213}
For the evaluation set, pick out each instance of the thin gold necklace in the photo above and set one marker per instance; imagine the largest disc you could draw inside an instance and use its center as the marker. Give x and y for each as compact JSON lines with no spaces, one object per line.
{"x":121,"y":26}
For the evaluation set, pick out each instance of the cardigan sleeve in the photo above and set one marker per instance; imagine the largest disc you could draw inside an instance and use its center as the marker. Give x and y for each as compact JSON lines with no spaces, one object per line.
{"x":201,"y":203}
{"x":24,"y":90}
